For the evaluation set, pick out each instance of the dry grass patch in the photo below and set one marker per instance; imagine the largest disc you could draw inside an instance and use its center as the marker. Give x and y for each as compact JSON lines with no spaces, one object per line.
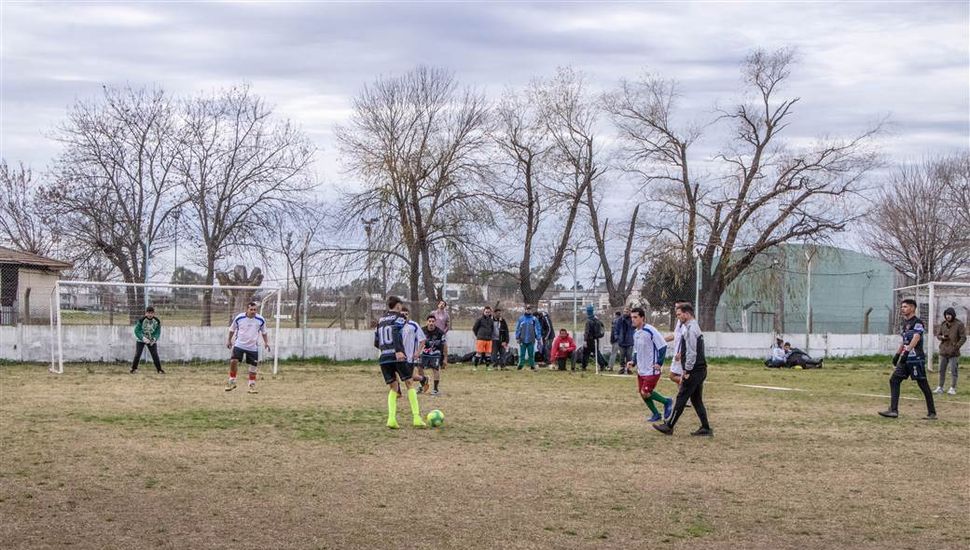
{"x":96,"y":458}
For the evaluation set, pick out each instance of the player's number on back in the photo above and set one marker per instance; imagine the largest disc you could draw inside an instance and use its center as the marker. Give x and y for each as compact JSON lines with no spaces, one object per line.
{"x":387,"y":335}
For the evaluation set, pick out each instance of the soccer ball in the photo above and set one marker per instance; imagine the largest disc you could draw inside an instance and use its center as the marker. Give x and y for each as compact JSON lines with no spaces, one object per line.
{"x":798,"y":367}
{"x":436,"y":418}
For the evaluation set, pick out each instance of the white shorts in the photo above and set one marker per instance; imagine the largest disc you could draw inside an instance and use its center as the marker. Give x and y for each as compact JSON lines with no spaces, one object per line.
{"x":675,"y":368}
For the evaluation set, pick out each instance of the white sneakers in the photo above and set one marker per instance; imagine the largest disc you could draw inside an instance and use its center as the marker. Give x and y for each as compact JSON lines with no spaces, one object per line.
{"x":953,"y":391}
{"x":939,"y":389}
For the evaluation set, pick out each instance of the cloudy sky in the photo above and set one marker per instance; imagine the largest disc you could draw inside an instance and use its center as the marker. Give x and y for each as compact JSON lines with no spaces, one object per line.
{"x":859,"y":61}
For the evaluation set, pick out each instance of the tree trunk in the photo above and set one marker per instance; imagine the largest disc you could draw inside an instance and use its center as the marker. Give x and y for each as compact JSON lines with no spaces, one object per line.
{"x":710,"y":297}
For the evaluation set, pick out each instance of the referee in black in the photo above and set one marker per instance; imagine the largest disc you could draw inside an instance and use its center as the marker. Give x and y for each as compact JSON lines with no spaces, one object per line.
{"x":910,"y":362}
{"x":695,"y":372}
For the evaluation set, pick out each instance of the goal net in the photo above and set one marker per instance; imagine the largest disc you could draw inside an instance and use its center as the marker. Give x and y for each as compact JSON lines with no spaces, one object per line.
{"x":932,"y":300}
{"x":94,"y":321}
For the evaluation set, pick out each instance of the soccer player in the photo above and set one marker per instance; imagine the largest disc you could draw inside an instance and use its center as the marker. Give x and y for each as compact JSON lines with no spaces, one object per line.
{"x":676,"y":370}
{"x":694,"y":363}
{"x":148,"y":329}
{"x":433,"y":352}
{"x":413,"y":344}
{"x":442,"y":320}
{"x":389,"y":339}
{"x":910,"y":362}
{"x":244,"y":333}
{"x":649,"y":350}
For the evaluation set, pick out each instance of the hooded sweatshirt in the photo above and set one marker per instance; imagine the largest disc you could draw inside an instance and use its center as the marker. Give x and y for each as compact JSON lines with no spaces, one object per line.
{"x":952,"y":334}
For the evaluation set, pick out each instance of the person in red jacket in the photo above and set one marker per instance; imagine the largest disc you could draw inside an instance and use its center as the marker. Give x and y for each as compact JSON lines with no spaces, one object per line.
{"x":562,"y":348}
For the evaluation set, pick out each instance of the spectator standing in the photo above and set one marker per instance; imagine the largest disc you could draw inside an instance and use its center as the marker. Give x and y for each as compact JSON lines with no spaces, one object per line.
{"x":614,"y":339}
{"x":625,"y":341}
{"x":500,"y":339}
{"x":591,"y":337}
{"x":548,"y":331}
{"x":483,"y":338}
{"x":952,"y":334}
{"x":528,"y":331}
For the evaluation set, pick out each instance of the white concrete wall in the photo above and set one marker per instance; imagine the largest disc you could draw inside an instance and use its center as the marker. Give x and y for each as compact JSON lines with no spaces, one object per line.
{"x":106,"y":343}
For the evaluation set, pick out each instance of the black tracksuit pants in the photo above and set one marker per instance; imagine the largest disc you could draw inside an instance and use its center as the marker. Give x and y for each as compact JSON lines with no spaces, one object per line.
{"x":152,"y":349}
{"x":691,"y":389}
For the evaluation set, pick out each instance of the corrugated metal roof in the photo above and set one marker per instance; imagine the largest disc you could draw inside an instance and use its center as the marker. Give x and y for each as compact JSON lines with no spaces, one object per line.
{"x":11,"y":256}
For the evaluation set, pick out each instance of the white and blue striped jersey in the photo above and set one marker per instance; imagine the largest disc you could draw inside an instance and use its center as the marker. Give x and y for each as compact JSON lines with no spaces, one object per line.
{"x":649,"y":349}
{"x":247,"y":331}
{"x":412,"y":336}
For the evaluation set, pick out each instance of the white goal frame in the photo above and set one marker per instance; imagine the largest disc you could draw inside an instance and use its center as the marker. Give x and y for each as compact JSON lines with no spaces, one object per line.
{"x":57,"y":338}
{"x":929,"y":290}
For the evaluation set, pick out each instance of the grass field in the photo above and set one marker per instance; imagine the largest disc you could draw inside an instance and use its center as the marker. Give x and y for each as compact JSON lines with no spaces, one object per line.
{"x":96,"y":458}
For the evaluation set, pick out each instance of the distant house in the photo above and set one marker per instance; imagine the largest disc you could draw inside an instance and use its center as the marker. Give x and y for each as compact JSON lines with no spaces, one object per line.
{"x":26,"y":284}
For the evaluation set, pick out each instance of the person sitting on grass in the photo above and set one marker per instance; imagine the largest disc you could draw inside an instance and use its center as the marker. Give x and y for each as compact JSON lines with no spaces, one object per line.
{"x":795,"y":357}
{"x":562,"y":348}
{"x":778,"y":355}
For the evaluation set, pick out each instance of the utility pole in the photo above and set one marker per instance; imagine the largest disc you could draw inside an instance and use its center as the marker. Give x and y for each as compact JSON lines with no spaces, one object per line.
{"x":697,"y":282}
{"x":145,"y":288}
{"x":809,"y":256}
{"x":176,"y":216}
{"x":368,"y":223}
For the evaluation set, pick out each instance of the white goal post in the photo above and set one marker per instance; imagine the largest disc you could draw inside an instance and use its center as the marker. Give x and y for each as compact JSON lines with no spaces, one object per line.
{"x":932,"y":299}
{"x":98,"y":317}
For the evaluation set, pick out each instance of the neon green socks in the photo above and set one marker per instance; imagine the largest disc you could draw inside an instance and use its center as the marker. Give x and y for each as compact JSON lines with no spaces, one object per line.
{"x":392,"y":409}
{"x":415,"y":409}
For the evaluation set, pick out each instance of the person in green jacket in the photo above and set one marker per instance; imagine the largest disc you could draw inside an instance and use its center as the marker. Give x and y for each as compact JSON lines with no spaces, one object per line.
{"x":147,"y":331}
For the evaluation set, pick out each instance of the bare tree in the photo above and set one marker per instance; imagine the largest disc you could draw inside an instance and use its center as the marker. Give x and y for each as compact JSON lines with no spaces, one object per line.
{"x":917,"y":223}
{"x":544,"y":138}
{"x":957,"y":178}
{"x":238,"y":163}
{"x":115,"y":188}
{"x":21,"y":221}
{"x":763,"y":191}
{"x":417,"y":142}
{"x":297,"y":234}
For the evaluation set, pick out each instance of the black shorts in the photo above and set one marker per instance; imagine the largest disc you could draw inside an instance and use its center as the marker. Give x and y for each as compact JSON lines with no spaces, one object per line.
{"x":431,"y":362}
{"x":911,"y":369}
{"x":246,"y":356}
{"x":399,"y":369}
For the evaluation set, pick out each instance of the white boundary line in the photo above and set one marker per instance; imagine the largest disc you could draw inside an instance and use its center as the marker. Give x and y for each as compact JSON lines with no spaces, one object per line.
{"x":775,"y":388}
